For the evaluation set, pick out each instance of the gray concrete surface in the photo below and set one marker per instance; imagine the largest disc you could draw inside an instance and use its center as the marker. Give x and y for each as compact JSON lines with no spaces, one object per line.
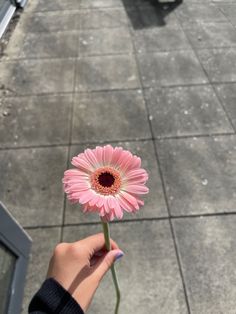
{"x":159,"y":80}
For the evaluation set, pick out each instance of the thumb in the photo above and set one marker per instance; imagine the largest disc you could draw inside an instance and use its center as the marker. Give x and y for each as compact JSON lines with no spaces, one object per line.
{"x":107,"y":261}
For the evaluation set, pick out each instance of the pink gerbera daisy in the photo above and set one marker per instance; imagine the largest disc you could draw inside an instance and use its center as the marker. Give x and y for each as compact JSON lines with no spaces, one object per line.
{"x":106,"y":180}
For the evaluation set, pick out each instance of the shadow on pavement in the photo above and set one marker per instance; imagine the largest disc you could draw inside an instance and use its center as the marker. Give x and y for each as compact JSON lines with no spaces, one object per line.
{"x":150,"y":13}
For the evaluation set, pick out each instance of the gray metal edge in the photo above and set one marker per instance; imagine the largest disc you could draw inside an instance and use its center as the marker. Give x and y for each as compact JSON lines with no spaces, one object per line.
{"x":12,"y":233}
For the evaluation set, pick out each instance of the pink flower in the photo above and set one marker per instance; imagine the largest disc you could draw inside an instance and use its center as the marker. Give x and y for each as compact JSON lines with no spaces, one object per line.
{"x":106,"y":180}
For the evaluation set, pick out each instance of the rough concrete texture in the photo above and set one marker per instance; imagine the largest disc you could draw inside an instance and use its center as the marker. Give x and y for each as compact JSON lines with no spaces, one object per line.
{"x":158,"y":79}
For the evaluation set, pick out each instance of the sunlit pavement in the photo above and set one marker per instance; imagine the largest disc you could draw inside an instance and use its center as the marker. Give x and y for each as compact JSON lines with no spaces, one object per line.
{"x":160,"y":80}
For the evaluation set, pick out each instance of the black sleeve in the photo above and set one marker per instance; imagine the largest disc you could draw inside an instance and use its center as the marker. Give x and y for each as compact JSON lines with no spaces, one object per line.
{"x":53,"y":298}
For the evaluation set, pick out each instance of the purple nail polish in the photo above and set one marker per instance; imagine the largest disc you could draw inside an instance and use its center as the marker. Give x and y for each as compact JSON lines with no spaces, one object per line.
{"x":119,"y":255}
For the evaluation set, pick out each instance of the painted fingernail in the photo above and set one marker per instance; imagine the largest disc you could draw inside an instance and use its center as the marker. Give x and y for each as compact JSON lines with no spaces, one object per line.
{"x":119,"y":255}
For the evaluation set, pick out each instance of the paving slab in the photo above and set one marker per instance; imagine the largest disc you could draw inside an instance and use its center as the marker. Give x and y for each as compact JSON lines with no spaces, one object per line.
{"x":204,"y":12}
{"x":105,"y":3}
{"x":109,"y":116}
{"x":105,"y":41}
{"x":56,"y":5}
{"x":160,"y":39}
{"x":222,"y":2}
{"x":103,"y":18}
{"x":199,"y":174}
{"x":49,"y":22}
{"x":63,"y":44}
{"x":184,"y":111}
{"x":170,"y":68}
{"x":219,"y":64}
{"x":227,"y":94}
{"x":149,"y":282}
{"x":77,"y":57}
{"x":211,"y":35}
{"x":229,"y":10}
{"x":208,"y":256}
{"x":201,"y":1}
{"x":29,"y":77}
{"x":106,"y":73}
{"x":31,"y":185}
{"x":44,"y":241}
{"x":154,"y":203}
{"x":36,"y":114}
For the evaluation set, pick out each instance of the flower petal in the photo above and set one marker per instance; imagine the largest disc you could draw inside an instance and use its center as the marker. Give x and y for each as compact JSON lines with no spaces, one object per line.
{"x":102,"y":211}
{"x":75,"y":173}
{"x":137,"y":189}
{"x":116,"y":155}
{"x":124,"y":160}
{"x":86,"y":197}
{"x":136,"y":173}
{"x":111,"y":202}
{"x":81,"y":164}
{"x":94,"y":200}
{"x":99,"y":154}
{"x":117,"y":209}
{"x":135,"y":164}
{"x":101,"y":201}
{"x":131,"y":199}
{"x":140,"y":202}
{"x":91,"y":157}
{"x":125,"y":204}
{"x":106,"y":205}
{"x":107,"y":155}
{"x":76,"y":188}
{"x":136,"y":177}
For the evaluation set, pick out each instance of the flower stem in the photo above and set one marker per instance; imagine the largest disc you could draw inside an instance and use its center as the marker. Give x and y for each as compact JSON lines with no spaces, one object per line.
{"x":106,"y":231}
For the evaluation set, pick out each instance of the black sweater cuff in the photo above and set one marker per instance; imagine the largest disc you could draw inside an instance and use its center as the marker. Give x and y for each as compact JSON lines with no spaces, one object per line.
{"x":53,"y":298}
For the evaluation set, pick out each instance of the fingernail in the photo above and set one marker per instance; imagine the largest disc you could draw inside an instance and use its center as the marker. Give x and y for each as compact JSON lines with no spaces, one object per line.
{"x":119,"y":255}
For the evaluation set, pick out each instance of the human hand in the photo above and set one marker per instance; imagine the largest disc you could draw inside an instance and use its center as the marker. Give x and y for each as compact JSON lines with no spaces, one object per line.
{"x":80,"y":266}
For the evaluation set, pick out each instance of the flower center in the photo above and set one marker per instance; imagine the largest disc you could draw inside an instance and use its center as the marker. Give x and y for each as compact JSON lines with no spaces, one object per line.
{"x":106,"y":181}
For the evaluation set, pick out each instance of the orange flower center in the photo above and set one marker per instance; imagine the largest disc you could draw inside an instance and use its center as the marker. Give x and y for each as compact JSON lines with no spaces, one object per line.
{"x":106,"y":181}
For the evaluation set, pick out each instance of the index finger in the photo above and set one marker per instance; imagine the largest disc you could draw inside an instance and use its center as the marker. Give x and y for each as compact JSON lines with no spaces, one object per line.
{"x":97,"y":242}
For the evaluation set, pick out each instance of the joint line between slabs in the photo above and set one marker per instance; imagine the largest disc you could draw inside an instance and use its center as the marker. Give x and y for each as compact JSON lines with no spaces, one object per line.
{"x":162,"y":182}
{"x":158,"y":139}
{"x":69,"y":138}
{"x":225,"y":15}
{"x":207,"y":76}
{"x":224,"y":109}
{"x":111,"y":90}
{"x":69,"y":146}
{"x":138,"y":220}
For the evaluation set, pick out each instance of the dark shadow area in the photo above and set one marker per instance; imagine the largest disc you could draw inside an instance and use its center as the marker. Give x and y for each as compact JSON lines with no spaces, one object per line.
{"x":149,"y":13}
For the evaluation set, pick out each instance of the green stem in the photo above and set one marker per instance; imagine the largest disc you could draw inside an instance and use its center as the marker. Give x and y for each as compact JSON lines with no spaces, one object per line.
{"x":106,"y":231}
